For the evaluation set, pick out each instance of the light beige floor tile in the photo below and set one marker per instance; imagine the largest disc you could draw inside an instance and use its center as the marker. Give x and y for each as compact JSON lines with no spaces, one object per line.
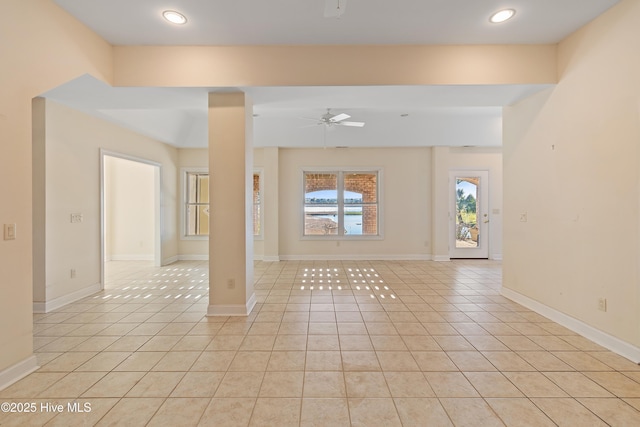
{"x":581,"y":361}
{"x":213,"y":361}
{"x":389,"y":343}
{"x":323,"y":361}
{"x":276,"y":412}
{"x":128,"y":343}
{"x":324,"y":384}
{"x":287,"y":361}
{"x":470,"y":412}
{"x":360,"y":361}
{"x":535,"y":384}
{"x":31,"y":385}
{"x":368,"y":412}
{"x":179,"y":412}
{"x":67,"y":362}
{"x":225,"y":343}
{"x":618,"y":384}
{"x":544,"y":361}
{"x":140,"y":361}
{"x":366,"y":384}
{"x":258,"y":343}
{"x":290,"y":342}
{"x":96,"y":343}
{"x":492,"y":384}
{"x":282,"y":384}
{"x":421,"y":343}
{"x":114,"y":384}
{"x":177,"y":361}
{"x":160,"y":343}
{"x":470,"y":361}
{"x":397,"y":361}
{"x":355,"y":342}
{"x":136,"y":411}
{"x":105,"y":361}
{"x":420,"y":412}
{"x":567,"y":412}
{"x":198,"y":384}
{"x":192,"y":343}
{"x":156,"y":384}
{"x":453,"y":343}
{"x":577,"y":385}
{"x":250,"y":361}
{"x":323,"y":342}
{"x":33,"y":416}
{"x":450,"y":384}
{"x":90,"y":416}
{"x":240,"y":384}
{"x":434,"y":361}
{"x":508,"y":361}
{"x":408,"y":384}
{"x":614,"y":412}
{"x":520,"y":412}
{"x":324,"y":412}
{"x":486,"y":343}
{"x":72,"y":385}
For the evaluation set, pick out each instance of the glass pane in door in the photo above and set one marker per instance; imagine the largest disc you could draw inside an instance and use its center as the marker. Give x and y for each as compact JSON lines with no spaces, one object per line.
{"x":467,"y":229}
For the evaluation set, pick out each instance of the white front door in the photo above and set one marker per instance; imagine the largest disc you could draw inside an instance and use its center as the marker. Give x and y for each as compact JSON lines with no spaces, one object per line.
{"x":469,"y":214}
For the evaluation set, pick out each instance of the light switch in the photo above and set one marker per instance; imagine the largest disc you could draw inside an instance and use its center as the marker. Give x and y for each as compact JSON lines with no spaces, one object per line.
{"x":76,"y":217}
{"x":9,"y":232}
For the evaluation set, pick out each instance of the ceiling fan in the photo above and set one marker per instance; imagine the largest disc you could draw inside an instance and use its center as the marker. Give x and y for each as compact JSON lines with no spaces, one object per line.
{"x":334,"y":8}
{"x":329,"y":119}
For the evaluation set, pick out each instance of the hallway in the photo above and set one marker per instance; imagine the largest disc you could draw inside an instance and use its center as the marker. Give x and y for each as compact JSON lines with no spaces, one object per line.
{"x":330,"y":343}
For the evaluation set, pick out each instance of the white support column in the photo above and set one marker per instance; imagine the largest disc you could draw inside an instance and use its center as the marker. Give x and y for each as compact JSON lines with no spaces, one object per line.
{"x":231,"y":204}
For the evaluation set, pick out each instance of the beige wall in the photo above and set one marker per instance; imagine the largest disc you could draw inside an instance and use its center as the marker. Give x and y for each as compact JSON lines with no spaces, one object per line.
{"x":73,"y":144}
{"x":41,"y":49}
{"x":129,"y":209}
{"x":571,"y":163}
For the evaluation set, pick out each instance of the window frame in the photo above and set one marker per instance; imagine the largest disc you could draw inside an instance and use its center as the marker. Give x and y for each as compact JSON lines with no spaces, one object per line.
{"x":341,"y":171}
{"x":185,"y":202}
{"x":260,"y":173}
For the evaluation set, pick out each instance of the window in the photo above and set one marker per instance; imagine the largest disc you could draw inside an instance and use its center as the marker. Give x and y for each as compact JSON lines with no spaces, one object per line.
{"x":341,"y":203}
{"x":196,"y":213}
{"x":196,"y":204}
{"x":257,"y":204}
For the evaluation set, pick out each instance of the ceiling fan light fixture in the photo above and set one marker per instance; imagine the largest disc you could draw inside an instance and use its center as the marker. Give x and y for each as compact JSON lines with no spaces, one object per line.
{"x":174,"y":17}
{"x":502,"y":16}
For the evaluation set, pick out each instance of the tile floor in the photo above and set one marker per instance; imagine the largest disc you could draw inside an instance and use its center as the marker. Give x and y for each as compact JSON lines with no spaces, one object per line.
{"x":367,"y":343}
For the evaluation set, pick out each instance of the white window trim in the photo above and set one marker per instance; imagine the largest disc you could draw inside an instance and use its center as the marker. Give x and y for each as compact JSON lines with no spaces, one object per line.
{"x":342,"y":170}
{"x":260,"y":172}
{"x":183,"y":204}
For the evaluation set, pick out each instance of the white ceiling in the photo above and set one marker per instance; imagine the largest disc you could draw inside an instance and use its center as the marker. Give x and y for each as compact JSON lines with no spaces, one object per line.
{"x":438,"y":115}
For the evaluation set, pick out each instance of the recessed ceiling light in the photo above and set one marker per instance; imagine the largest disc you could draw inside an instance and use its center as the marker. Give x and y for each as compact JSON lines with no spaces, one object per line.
{"x":174,"y":17}
{"x":502,"y":15}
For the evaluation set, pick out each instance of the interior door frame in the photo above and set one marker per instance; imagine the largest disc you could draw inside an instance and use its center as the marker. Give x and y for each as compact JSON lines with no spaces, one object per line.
{"x":483,"y":210}
{"x":157,"y":220}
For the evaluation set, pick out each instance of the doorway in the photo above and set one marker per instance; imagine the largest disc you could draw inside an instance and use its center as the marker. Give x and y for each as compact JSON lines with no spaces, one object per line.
{"x":130,"y":210}
{"x":469,"y":218}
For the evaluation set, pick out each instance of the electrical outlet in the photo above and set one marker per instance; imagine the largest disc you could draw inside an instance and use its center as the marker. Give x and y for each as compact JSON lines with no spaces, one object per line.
{"x":73,"y":273}
{"x":231,"y":284}
{"x":76,"y":217}
{"x":602,"y":304}
{"x":523,"y":217}
{"x":9,"y":232}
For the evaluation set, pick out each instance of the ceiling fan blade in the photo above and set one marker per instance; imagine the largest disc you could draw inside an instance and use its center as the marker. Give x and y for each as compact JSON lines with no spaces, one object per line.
{"x":355,"y":124}
{"x":334,"y":8}
{"x":309,"y":118}
{"x":339,"y":117}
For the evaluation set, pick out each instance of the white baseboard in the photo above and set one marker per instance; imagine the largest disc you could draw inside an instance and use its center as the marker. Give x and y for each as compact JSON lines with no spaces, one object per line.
{"x":133,"y":257}
{"x":18,"y":371}
{"x":604,"y":339}
{"x":352,"y":257}
{"x":193,"y":257}
{"x":441,"y":258}
{"x":56,"y":303}
{"x":170,"y":260}
{"x":496,"y":257}
{"x":233,"y":309}
{"x":271,"y":258}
